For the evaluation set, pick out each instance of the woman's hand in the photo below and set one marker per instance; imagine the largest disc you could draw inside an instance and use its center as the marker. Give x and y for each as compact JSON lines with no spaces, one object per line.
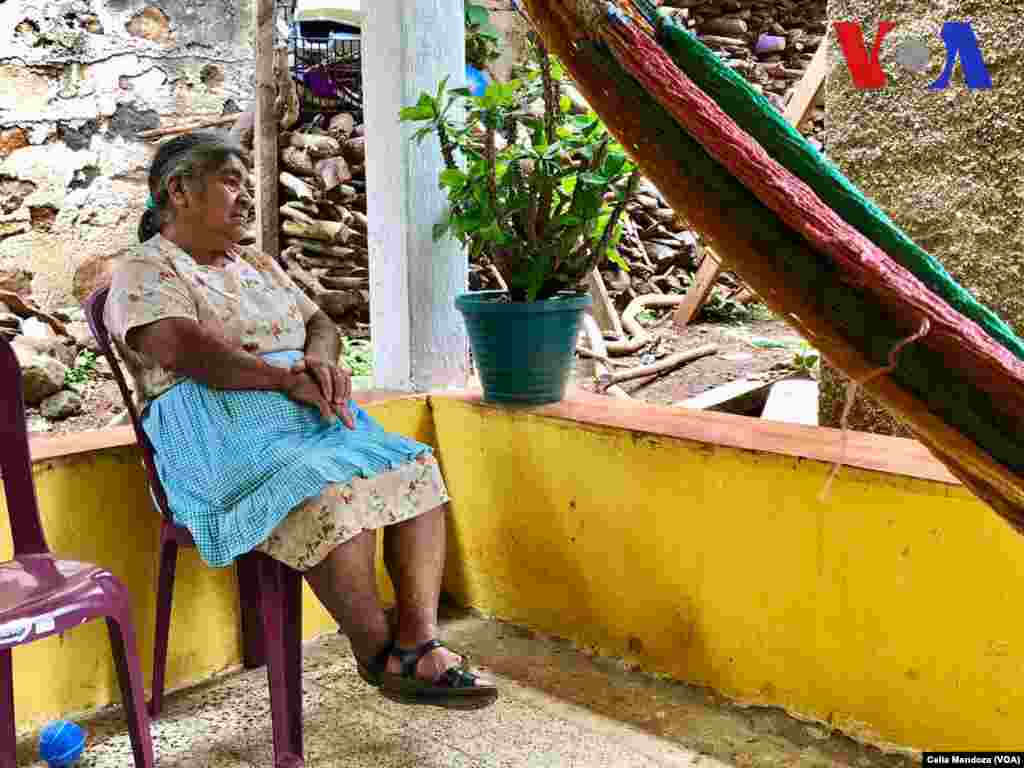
{"x":335,"y":385}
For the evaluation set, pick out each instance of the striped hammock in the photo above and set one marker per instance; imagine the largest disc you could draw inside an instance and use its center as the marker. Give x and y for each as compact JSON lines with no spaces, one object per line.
{"x":818,"y":252}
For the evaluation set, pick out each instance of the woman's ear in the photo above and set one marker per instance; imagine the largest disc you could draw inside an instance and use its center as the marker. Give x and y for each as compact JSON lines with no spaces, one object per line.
{"x":177,"y":192}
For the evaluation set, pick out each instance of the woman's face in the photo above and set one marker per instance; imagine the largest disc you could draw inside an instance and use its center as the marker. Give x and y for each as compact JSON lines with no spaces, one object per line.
{"x":218,"y":213}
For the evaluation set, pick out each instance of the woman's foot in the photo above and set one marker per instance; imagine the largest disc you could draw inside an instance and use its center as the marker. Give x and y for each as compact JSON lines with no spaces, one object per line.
{"x":432,"y":674}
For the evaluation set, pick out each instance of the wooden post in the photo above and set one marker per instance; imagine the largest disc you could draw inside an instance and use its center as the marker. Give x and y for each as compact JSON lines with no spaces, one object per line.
{"x":711,"y":267}
{"x":265,"y":133}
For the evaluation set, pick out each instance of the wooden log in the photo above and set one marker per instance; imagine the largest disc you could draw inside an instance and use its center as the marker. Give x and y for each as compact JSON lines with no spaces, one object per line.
{"x":328,"y":231}
{"x":667,"y":363}
{"x":265,"y":136}
{"x":355,"y":150}
{"x":191,"y":125}
{"x":319,"y":146}
{"x":359,"y":222}
{"x":296,"y":215}
{"x":317,"y":246}
{"x":300,"y":189}
{"x":297,"y":161}
{"x":333,"y":171}
{"x":343,"y":283}
{"x":639,"y":335}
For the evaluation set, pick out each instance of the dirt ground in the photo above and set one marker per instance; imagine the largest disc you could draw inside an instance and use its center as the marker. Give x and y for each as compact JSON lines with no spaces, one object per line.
{"x":745,"y":350}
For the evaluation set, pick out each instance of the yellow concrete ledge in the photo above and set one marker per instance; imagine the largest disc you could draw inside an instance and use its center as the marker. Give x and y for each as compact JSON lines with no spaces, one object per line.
{"x":694,"y":545}
{"x":697,"y":546}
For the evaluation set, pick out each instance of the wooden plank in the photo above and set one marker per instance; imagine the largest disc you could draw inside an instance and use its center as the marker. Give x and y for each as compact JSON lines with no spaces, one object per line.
{"x":603,"y":309}
{"x":265,"y":136}
{"x":746,"y":396}
{"x":699,"y":290}
{"x":807,"y":89}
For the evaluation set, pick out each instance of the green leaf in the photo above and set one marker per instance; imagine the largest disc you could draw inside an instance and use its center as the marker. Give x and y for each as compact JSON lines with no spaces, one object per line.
{"x":565,"y":104}
{"x":425,"y":109}
{"x":453,"y":179}
{"x":477,"y":14}
{"x":593,"y":178}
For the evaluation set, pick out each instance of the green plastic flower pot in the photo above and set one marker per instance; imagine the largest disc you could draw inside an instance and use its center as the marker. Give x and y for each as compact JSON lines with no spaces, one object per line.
{"x":523,"y":350}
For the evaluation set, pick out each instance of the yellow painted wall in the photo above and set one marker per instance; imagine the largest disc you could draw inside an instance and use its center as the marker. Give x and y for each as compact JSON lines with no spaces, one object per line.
{"x":95,"y":507}
{"x":893,"y":610}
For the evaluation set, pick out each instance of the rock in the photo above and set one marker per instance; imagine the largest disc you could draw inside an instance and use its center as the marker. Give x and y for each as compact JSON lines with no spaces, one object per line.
{"x":61,"y":405}
{"x":61,"y":348}
{"x":83,"y":336}
{"x":41,"y":375}
{"x":725,"y":26}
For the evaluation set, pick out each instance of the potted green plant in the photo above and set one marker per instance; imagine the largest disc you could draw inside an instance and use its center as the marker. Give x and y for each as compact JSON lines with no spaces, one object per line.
{"x":537,"y":189}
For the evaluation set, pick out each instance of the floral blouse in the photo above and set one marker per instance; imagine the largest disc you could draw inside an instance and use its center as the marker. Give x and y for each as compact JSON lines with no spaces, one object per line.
{"x":251,"y":302}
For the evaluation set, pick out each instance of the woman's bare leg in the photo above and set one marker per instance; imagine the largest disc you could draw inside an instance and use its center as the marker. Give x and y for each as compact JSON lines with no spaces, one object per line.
{"x":345,"y":582}
{"x":414,"y":554}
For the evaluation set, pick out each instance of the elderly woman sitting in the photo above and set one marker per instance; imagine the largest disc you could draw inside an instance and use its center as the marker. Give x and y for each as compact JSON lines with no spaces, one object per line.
{"x":258,"y":443}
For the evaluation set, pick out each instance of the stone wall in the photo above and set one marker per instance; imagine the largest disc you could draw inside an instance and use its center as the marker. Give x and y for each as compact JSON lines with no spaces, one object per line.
{"x":947,"y":166}
{"x":78,"y":80}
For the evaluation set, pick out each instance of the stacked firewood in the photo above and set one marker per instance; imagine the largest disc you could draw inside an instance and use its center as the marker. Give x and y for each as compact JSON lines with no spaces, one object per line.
{"x":323,"y":215}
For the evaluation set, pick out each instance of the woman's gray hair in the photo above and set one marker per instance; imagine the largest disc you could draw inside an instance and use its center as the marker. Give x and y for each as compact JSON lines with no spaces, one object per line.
{"x":193,"y":156}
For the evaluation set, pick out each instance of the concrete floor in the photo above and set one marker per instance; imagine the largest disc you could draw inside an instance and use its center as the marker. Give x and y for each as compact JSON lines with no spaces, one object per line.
{"x":559,"y":707}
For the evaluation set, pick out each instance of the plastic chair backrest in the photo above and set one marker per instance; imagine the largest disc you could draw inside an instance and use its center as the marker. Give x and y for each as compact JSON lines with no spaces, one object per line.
{"x":94,"y":308}
{"x":15,"y":460}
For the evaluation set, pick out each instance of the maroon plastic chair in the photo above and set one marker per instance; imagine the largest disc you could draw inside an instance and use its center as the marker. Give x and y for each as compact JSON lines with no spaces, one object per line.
{"x":41,"y":595}
{"x":270,"y":593}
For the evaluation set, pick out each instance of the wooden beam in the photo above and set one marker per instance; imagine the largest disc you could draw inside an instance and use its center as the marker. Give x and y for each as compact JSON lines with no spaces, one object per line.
{"x":603,"y":309}
{"x":265,"y":137}
{"x":803,"y":97}
{"x":707,"y":273}
{"x":807,"y":88}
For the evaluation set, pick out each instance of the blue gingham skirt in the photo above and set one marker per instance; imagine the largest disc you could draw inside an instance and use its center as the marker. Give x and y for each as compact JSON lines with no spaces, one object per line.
{"x":235,"y":463}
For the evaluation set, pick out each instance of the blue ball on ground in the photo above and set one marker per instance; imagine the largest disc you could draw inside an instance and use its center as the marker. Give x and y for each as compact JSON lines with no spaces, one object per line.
{"x":61,"y":743}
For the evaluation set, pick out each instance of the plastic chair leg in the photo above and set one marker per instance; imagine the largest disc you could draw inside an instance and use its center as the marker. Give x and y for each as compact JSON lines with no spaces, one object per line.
{"x":129,"y":675}
{"x":285,"y":686}
{"x":253,"y":650}
{"x":292,"y":604}
{"x":8,"y":735}
{"x":164,"y":600}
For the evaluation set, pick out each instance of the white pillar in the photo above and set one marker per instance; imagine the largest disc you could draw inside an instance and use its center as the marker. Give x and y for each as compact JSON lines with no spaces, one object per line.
{"x":419,"y":340}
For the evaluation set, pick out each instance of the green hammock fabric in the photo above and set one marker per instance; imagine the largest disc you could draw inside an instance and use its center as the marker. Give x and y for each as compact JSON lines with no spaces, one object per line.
{"x":761,"y":120}
{"x":920,"y":371}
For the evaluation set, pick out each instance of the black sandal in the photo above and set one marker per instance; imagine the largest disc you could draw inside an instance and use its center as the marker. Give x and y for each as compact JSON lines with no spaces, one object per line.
{"x":372,"y":670}
{"x":456,"y":688}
